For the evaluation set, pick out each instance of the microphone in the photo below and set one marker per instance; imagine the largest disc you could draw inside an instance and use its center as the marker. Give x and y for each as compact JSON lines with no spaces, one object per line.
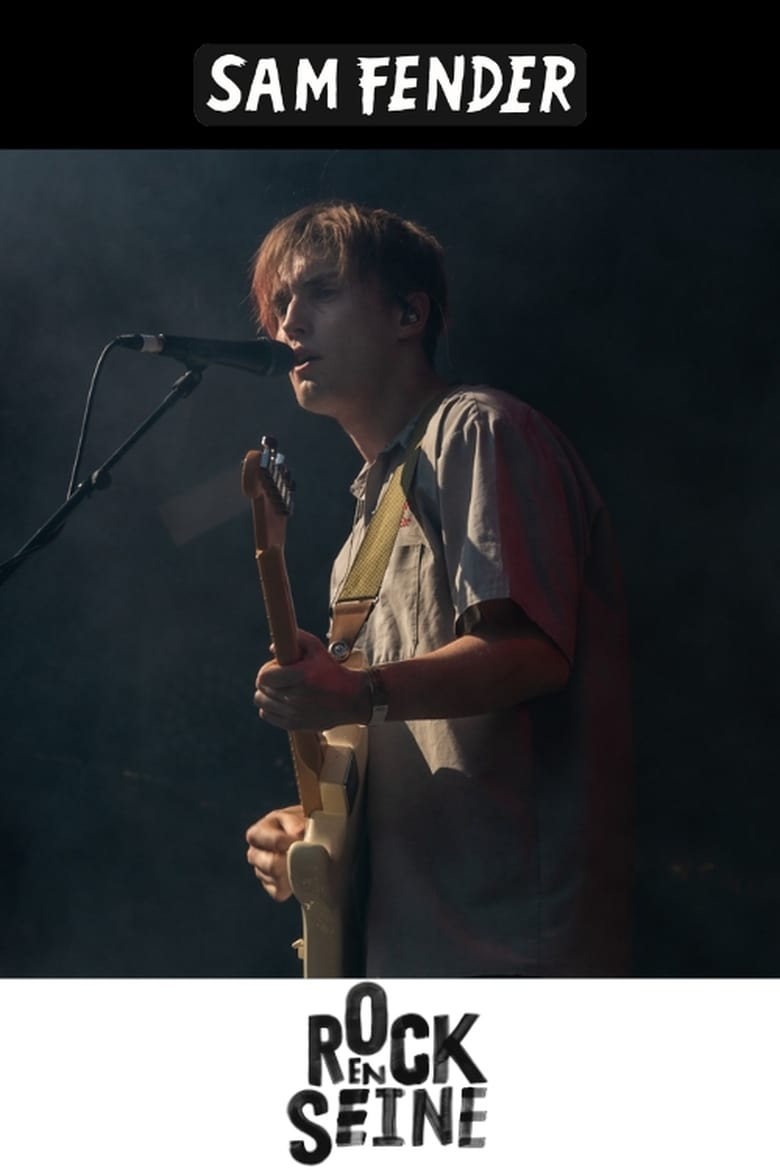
{"x":262,"y":357}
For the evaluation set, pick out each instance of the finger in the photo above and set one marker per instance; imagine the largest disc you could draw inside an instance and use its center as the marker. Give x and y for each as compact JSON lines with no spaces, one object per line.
{"x":276,"y":832}
{"x":274,"y":681}
{"x":280,"y":890}
{"x":264,"y":676}
{"x":268,"y":865}
{"x":310,"y":644}
{"x":293,"y":824}
{"x":278,"y":714}
{"x":269,"y":697}
{"x":267,"y":674}
{"x":265,"y":837}
{"x":279,"y":678}
{"x":279,"y":893}
{"x":271,"y":871}
{"x":276,"y":694}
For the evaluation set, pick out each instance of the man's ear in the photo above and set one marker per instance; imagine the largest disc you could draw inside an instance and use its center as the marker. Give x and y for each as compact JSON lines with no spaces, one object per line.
{"x":414,"y":313}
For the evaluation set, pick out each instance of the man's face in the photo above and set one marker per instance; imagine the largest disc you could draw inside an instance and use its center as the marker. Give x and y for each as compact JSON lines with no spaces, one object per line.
{"x":344,"y":332}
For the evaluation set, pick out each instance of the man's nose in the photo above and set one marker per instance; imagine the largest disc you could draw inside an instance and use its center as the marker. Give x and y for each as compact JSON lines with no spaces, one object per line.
{"x":293,"y":321}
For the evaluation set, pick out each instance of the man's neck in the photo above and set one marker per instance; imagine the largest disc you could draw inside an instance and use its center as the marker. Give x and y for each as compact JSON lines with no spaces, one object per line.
{"x":377,"y":422}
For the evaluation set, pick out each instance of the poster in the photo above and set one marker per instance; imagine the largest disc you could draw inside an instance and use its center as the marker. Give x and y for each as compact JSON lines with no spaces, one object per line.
{"x":144,"y":1020}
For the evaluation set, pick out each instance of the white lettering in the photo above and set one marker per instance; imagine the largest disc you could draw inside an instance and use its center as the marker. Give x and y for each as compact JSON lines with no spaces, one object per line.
{"x":451,"y":87}
{"x":218,"y":75}
{"x":308,"y":80}
{"x":480,"y":100}
{"x":369,"y":81}
{"x":555,"y":83}
{"x":266,"y":82}
{"x":402,"y":83}
{"x":518,"y":82}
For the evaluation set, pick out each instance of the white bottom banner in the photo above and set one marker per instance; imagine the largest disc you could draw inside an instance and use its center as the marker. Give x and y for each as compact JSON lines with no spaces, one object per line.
{"x":224,"y":1074}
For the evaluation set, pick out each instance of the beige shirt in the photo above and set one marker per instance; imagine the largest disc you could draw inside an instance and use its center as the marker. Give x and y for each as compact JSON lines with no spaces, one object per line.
{"x":498,"y":844}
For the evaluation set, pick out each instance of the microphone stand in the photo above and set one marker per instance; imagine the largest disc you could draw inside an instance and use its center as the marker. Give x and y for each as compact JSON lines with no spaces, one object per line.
{"x":100,"y":478}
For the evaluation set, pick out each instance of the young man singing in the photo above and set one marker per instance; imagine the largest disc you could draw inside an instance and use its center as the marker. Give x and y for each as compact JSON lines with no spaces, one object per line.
{"x":498,"y":782}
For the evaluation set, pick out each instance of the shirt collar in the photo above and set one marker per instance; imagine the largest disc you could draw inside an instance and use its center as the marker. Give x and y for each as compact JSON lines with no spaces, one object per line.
{"x":401,"y":441}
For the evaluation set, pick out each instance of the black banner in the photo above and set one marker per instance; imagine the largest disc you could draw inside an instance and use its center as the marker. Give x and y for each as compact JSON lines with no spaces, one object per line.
{"x":390,"y":85}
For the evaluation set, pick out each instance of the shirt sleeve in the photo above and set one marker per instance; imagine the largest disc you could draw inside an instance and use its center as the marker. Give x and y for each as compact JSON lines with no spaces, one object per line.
{"x":513,"y":517}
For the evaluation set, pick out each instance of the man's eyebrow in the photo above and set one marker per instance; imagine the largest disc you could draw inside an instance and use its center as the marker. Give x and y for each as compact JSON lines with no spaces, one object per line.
{"x":286,"y":286}
{"x":321,"y":277}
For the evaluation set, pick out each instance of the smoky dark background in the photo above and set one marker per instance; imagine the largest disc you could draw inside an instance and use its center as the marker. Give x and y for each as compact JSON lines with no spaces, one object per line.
{"x":629,"y":294}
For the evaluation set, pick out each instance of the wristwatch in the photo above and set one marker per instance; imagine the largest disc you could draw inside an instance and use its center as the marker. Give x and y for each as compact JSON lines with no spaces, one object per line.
{"x":377,"y":696}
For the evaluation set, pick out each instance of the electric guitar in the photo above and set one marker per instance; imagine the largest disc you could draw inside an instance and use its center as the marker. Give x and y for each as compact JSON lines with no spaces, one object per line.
{"x":329,"y":766}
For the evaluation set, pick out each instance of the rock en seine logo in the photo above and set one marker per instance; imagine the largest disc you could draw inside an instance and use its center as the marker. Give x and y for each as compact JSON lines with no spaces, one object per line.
{"x":386,"y":1083}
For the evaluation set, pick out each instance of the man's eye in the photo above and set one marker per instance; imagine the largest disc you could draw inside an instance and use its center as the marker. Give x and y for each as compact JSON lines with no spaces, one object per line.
{"x":324,"y":292}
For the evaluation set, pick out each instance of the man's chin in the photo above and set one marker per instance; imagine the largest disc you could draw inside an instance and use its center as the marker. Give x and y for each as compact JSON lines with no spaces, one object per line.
{"x":311,"y":397}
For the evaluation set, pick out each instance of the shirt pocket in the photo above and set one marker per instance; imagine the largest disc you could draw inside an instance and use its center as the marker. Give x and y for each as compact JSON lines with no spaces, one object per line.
{"x":392,"y":632}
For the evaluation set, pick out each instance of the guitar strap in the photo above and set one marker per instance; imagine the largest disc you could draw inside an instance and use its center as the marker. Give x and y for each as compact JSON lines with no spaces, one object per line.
{"x":360,"y":591}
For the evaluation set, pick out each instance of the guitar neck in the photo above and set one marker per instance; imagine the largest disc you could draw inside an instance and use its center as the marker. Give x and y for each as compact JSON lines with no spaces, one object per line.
{"x":306,"y":746}
{"x":279,"y":604}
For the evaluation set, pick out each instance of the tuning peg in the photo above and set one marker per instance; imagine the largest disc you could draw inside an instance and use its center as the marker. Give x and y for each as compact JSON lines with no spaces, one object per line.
{"x":284,"y":485}
{"x":268,"y":452}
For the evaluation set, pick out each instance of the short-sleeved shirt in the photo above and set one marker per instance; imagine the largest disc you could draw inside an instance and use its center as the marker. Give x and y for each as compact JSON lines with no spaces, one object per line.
{"x":498,"y":844}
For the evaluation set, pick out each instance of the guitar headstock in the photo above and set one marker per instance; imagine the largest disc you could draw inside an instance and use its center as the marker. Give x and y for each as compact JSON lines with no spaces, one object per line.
{"x":266,"y":480}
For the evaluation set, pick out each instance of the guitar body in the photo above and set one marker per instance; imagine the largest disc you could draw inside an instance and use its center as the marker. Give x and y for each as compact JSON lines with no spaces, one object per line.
{"x":329,"y":766}
{"x":321,"y":866}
